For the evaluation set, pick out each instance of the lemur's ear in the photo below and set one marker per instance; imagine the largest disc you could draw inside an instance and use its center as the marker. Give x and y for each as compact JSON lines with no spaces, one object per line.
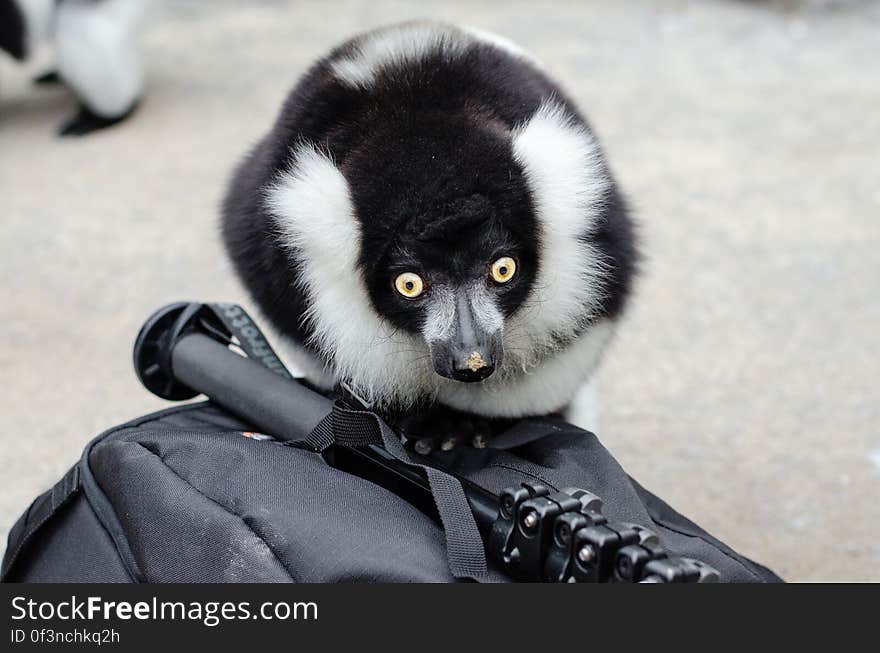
{"x":314,"y":220}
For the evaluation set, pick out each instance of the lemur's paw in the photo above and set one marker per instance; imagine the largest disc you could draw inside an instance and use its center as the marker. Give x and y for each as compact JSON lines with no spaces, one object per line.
{"x":448,"y":432}
{"x":86,"y":122}
{"x":424,"y":446}
{"x":427,"y":444}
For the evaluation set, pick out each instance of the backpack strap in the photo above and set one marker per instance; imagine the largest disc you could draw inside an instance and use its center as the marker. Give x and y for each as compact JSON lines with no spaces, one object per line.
{"x":248,"y":336}
{"x":349,"y":427}
{"x":39,"y":512}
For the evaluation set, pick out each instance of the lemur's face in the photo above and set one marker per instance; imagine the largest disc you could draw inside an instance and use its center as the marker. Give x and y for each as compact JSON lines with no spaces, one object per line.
{"x":455,"y":286}
{"x":456,"y":252}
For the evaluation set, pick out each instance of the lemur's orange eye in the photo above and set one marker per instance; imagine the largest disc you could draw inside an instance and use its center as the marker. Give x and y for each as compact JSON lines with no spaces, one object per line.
{"x":503,"y":269}
{"x":409,"y":284}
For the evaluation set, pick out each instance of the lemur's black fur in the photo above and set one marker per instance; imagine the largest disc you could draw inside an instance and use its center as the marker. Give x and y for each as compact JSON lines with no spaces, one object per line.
{"x":425,"y":148}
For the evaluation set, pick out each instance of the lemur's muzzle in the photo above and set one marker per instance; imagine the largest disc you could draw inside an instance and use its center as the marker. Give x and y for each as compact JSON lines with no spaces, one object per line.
{"x":472,"y":352}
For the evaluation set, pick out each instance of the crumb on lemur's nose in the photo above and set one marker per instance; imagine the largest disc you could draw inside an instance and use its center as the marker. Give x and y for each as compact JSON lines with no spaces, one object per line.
{"x":473,"y":366}
{"x":475,"y":361}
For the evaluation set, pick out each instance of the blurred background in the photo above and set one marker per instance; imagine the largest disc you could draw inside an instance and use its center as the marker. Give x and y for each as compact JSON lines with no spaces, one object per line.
{"x":744,"y":387}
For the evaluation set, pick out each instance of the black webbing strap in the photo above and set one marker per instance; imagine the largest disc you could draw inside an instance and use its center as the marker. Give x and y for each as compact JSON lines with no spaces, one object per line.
{"x":40,"y":511}
{"x":464,"y":546}
{"x":356,"y":428}
{"x":347,"y":427}
{"x":248,"y":336}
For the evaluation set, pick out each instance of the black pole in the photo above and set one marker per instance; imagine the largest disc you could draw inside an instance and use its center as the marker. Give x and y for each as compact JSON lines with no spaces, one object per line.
{"x":284,"y":409}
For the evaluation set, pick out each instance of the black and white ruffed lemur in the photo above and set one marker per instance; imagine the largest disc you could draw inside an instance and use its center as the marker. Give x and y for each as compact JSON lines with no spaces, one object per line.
{"x":95,"y":45}
{"x":432,"y":221}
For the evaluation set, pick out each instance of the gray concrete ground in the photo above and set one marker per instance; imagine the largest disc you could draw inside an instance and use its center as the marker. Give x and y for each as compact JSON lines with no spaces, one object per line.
{"x":743,"y":387}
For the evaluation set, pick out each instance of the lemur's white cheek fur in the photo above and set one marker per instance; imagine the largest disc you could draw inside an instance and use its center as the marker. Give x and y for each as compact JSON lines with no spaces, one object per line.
{"x":568,"y":183}
{"x":312,"y":208}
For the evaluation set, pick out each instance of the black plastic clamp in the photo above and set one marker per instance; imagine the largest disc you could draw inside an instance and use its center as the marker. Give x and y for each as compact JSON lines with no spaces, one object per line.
{"x":564,"y":537}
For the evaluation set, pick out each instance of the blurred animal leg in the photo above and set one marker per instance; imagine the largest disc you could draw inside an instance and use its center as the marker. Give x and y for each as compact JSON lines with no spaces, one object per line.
{"x":98,"y":57}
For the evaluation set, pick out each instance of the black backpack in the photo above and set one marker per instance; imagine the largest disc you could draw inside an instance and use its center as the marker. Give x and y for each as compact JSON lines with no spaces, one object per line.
{"x":197,"y":494}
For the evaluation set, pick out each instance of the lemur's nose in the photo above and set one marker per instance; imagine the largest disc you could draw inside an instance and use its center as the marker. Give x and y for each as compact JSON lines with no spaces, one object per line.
{"x":473,"y":365}
{"x":473,"y":349}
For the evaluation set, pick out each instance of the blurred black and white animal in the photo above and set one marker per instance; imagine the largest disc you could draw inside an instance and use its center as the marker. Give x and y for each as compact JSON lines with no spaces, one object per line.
{"x":95,"y":44}
{"x":432,"y":221}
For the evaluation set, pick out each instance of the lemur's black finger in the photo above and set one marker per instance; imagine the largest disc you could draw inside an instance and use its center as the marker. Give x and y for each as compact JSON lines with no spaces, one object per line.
{"x":424,"y":446}
{"x":49,"y":77}
{"x":86,"y":122}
